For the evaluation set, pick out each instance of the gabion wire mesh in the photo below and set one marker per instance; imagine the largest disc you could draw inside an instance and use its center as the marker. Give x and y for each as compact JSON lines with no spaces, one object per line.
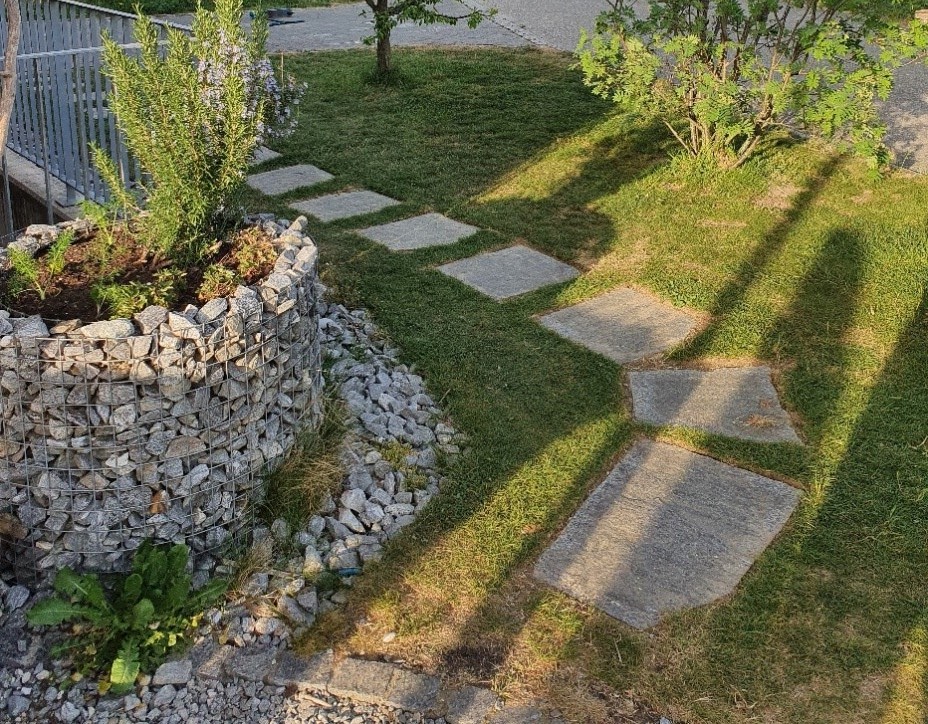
{"x":113,"y":433}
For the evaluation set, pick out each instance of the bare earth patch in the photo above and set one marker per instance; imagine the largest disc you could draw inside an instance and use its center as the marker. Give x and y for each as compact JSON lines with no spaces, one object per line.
{"x":778,"y":198}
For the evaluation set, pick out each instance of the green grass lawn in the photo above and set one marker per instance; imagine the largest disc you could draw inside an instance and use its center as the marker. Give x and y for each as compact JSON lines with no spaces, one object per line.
{"x":800,"y":259}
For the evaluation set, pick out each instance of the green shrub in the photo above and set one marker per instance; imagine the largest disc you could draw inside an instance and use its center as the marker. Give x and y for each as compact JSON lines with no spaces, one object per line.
{"x":127,"y":298}
{"x":193,"y":114}
{"x":132,"y":627}
{"x":725,"y":74}
{"x":218,"y":281}
{"x":26,"y":272}
{"x":55,"y":260}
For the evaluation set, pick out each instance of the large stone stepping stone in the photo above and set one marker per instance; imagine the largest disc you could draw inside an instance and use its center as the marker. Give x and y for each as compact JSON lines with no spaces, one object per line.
{"x":623,"y":325}
{"x":509,"y":272}
{"x":345,"y":205}
{"x":666,"y":531}
{"x":283,"y":180}
{"x":419,"y":232}
{"x":741,"y":403}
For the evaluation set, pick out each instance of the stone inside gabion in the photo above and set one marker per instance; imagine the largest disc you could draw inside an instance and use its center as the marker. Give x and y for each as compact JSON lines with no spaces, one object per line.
{"x":156,"y":427}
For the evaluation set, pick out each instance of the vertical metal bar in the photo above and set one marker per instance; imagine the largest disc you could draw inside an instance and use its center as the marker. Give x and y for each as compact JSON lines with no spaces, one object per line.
{"x":7,"y":198}
{"x":42,"y":132}
{"x":82,"y":129}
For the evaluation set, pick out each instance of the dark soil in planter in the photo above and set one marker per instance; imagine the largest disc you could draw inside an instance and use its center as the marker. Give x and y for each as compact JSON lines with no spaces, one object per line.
{"x":68,"y":295}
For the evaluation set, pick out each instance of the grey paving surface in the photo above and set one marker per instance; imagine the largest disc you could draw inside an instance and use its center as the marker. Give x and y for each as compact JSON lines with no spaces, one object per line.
{"x":509,"y":272}
{"x":344,"y":26}
{"x":419,"y":232}
{"x":623,"y":325}
{"x":290,"y":178}
{"x":344,"y":205}
{"x":741,"y":403}
{"x":906,"y":115}
{"x":262,"y":154}
{"x":666,"y":531}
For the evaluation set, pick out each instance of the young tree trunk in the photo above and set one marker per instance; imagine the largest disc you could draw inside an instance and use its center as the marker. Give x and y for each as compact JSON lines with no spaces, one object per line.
{"x":8,"y":74}
{"x":382,"y":26}
{"x":384,"y":52}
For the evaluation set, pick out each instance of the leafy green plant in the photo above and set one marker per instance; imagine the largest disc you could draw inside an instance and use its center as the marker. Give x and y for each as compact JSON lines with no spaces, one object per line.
{"x":54,"y":259}
{"x":218,"y":281}
{"x":127,"y":298}
{"x":103,"y":219}
{"x":133,"y":626}
{"x":725,"y":75}
{"x":26,"y":271}
{"x":193,"y":113}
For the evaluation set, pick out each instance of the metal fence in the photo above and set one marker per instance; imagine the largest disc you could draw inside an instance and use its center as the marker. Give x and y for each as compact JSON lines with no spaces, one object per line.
{"x":61,"y":104}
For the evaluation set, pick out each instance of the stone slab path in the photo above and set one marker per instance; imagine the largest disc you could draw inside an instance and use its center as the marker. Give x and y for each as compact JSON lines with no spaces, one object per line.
{"x":735,"y":402}
{"x":419,"y":232}
{"x":344,"y":205}
{"x":284,"y":180}
{"x":510,"y":272}
{"x":623,"y":325}
{"x":667,"y":530}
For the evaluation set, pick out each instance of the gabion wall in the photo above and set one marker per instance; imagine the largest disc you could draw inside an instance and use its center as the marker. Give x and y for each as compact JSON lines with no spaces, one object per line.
{"x":117,"y":431}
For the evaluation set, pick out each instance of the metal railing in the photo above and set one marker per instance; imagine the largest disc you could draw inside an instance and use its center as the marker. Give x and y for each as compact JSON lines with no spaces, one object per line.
{"x":61,"y":107}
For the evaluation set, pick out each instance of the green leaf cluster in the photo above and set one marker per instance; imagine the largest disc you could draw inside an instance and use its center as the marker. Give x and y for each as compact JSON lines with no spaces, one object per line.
{"x":727,"y":75}
{"x":134,"y":624}
{"x":30,"y":272}
{"x":128,"y":298}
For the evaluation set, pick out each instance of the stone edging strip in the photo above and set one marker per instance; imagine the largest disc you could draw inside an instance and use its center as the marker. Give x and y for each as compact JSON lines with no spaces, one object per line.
{"x":370,"y":682}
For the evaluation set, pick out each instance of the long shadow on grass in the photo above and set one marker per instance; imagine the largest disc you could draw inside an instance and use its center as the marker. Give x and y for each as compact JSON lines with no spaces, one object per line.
{"x":544,"y":417}
{"x":836,"y":599}
{"x":736,"y":291}
{"x":577,"y":233}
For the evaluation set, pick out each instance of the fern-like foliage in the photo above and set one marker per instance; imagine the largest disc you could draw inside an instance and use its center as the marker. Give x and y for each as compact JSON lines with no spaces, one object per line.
{"x":132,"y":626}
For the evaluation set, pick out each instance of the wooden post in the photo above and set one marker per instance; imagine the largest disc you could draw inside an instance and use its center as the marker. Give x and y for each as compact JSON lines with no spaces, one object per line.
{"x":8,"y":74}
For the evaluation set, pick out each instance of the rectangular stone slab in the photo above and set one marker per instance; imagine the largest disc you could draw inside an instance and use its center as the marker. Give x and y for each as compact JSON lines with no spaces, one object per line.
{"x":623,"y":325}
{"x":509,"y":272}
{"x":735,"y":402}
{"x":419,"y":232}
{"x":344,"y":205}
{"x":667,"y":530}
{"x":283,"y":180}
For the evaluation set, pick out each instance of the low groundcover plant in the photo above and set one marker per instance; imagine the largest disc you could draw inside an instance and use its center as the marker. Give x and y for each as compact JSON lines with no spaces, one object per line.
{"x":131,"y":627}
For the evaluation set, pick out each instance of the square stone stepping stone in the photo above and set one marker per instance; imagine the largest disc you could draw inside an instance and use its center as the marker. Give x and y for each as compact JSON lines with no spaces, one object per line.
{"x":262,"y":154}
{"x":667,"y":530}
{"x":344,"y":205}
{"x":740,"y":403}
{"x":283,"y":180}
{"x":509,"y":272}
{"x":623,"y":325}
{"x":419,"y":232}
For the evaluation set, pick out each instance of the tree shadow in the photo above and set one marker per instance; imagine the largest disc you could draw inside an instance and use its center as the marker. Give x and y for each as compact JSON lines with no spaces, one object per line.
{"x":578,"y":233}
{"x":846,"y":573}
{"x":733,"y":295}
